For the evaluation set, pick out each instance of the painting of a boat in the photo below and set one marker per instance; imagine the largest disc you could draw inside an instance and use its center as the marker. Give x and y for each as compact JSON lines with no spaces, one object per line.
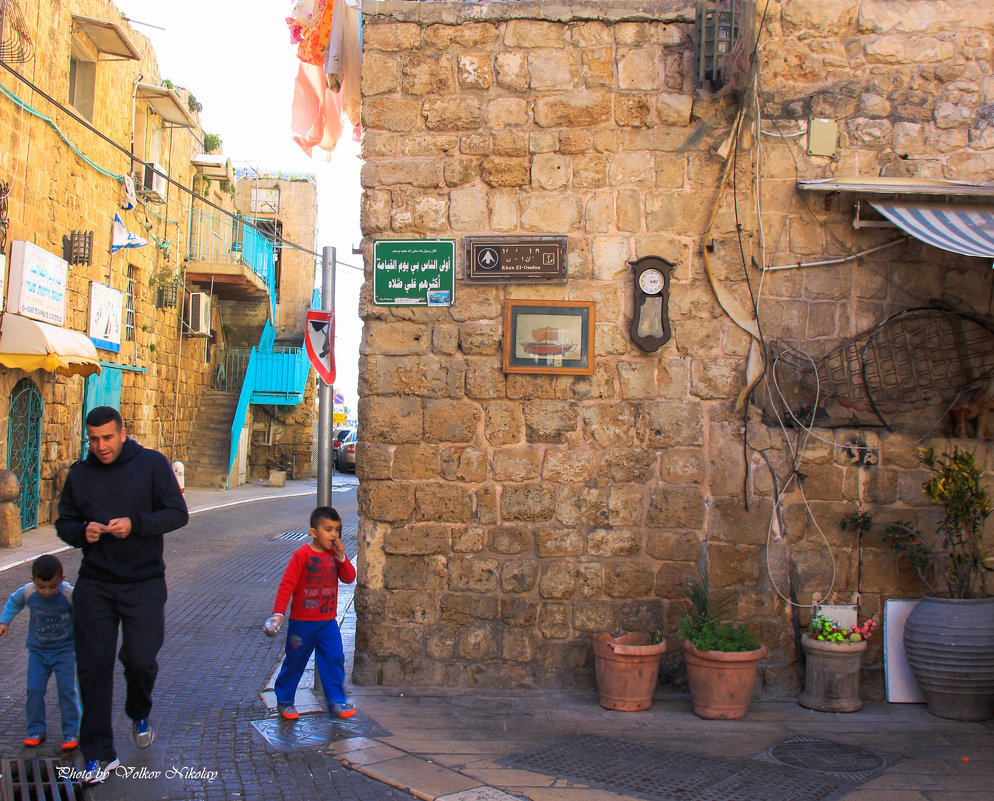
{"x":547,"y":341}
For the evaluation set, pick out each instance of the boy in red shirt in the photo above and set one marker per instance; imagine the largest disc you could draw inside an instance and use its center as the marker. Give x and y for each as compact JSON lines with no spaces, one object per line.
{"x":311,"y":578}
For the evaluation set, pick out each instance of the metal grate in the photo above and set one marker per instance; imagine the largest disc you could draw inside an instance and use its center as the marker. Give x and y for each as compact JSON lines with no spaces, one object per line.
{"x":309,"y":731}
{"x":295,"y":536}
{"x":39,"y":780}
{"x":797,"y":769}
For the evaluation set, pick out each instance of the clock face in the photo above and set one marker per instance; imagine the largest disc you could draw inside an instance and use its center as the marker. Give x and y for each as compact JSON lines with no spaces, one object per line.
{"x":651,"y":282}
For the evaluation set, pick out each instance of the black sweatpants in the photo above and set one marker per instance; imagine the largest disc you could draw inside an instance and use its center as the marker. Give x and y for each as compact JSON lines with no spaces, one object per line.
{"x":99,"y":609}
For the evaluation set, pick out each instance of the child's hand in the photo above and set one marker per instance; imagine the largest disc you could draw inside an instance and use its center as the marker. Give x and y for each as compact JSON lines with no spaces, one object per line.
{"x":3,"y":629}
{"x":273,"y":625}
{"x":339,"y":548}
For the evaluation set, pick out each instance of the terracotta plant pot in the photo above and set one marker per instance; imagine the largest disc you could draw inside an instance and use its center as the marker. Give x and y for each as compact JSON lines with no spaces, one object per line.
{"x":626,"y":669}
{"x":831,"y":675}
{"x":721,"y":682}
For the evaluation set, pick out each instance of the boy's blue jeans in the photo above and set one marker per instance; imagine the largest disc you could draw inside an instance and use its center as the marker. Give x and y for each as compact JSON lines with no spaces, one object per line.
{"x":41,"y":665}
{"x":324,"y":640}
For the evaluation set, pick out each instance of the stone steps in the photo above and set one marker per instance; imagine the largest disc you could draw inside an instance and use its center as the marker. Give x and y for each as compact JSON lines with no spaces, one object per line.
{"x":207,"y":454}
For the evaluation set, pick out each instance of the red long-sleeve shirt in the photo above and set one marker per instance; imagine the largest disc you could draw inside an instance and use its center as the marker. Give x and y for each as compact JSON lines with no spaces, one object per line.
{"x":310,"y":584}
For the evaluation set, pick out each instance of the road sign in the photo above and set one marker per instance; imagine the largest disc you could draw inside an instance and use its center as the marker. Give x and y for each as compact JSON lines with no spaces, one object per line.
{"x":319,"y":342}
{"x":414,"y":272}
{"x":339,"y":398}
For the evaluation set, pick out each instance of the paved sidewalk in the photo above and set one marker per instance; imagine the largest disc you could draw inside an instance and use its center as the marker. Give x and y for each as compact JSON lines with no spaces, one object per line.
{"x":468,"y":744}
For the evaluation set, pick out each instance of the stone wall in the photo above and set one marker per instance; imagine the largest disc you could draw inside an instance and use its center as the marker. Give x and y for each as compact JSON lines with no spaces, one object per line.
{"x":53,"y":191}
{"x":505,"y":518}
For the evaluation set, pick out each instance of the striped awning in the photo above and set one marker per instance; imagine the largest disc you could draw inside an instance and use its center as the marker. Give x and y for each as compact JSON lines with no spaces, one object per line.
{"x":968,"y":230}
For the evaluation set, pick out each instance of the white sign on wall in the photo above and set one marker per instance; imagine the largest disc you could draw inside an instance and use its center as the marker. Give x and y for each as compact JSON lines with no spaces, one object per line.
{"x":37,"y":284}
{"x":106,"y":307}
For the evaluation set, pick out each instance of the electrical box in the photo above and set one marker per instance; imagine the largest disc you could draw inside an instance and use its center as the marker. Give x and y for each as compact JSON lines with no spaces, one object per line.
{"x":198,"y":314}
{"x":823,"y":137}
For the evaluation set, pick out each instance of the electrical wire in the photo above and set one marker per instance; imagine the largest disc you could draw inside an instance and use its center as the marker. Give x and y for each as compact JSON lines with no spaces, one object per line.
{"x":86,"y":124}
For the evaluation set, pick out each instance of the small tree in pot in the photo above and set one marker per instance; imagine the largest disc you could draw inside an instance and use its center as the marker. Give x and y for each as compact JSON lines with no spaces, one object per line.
{"x":722,"y":657}
{"x":949,"y":637}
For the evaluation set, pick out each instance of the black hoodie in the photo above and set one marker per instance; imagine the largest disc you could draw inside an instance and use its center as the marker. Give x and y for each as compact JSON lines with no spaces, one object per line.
{"x":139,"y":485}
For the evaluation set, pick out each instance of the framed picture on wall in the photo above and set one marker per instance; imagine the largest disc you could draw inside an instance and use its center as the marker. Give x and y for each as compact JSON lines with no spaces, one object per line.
{"x":549,"y":337}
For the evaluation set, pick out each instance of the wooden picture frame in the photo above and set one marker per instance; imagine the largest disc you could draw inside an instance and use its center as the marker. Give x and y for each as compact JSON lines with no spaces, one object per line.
{"x":549,"y":337}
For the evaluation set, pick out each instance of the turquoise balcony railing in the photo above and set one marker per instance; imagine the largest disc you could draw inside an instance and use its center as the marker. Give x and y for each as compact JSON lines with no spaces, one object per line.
{"x":272,"y":376}
{"x":221,"y":245}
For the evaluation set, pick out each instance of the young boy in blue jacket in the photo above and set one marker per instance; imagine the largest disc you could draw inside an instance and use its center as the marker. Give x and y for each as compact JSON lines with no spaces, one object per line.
{"x":50,"y":648}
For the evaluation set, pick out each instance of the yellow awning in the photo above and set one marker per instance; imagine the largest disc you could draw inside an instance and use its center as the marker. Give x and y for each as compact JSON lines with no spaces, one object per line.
{"x":29,"y":345}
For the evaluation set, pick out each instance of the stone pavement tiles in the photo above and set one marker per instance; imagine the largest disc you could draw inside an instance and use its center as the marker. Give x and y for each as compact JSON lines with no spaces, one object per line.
{"x":222,"y":571}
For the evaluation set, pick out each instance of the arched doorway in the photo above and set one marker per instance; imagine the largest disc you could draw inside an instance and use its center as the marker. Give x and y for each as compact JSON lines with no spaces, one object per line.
{"x":24,"y":447}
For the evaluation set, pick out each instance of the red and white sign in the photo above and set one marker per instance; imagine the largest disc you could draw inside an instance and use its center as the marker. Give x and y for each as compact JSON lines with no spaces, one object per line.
{"x":319,"y":342}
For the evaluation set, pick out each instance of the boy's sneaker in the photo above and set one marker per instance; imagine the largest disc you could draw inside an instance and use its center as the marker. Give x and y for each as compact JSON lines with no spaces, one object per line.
{"x":288,"y":711}
{"x":141,"y":733}
{"x":343,"y":711}
{"x":34,"y":740}
{"x":97,"y":770}
{"x":70,"y":743}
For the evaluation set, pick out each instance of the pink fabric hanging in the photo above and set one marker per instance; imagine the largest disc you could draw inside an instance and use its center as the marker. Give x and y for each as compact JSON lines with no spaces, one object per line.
{"x":316,"y":116}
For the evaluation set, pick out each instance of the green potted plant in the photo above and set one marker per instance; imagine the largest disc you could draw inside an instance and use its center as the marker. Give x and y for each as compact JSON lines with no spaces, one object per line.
{"x":949,"y":637}
{"x":627,"y":669}
{"x":832,"y":656}
{"x":722,"y":657}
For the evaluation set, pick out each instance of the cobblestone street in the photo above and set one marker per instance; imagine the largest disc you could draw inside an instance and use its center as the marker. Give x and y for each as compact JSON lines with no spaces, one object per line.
{"x":222,"y":571}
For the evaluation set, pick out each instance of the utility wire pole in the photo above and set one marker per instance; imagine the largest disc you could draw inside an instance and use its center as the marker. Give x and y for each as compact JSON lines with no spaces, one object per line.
{"x":325,"y":397}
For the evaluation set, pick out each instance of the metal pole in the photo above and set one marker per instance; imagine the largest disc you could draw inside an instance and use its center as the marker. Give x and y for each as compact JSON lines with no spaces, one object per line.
{"x":325,"y":487}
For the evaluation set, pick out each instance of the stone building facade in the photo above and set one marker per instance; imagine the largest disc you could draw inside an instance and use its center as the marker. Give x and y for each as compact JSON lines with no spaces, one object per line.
{"x":506,"y":517}
{"x":89,"y":80}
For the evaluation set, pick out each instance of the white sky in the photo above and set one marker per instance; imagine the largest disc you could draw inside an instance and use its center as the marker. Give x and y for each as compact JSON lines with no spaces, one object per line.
{"x":236,"y":58}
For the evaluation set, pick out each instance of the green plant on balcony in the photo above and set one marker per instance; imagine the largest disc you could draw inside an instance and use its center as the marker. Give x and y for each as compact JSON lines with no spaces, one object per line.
{"x":211,"y":142}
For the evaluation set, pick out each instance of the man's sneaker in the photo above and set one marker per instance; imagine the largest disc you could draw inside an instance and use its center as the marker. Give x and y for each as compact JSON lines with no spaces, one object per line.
{"x":289,"y":711}
{"x":34,"y":740}
{"x":70,"y":743}
{"x":343,"y":711}
{"x":141,"y":733}
{"x":97,"y":770}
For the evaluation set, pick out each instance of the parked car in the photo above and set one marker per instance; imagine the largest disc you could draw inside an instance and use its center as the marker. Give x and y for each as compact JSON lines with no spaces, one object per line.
{"x":338,"y":435}
{"x":345,"y":453}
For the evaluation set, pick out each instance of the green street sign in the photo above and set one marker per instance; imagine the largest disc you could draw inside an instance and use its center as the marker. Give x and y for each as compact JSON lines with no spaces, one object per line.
{"x":414,"y":272}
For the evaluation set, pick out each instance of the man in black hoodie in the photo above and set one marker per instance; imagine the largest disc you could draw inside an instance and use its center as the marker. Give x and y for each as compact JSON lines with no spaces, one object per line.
{"x":116,"y":505}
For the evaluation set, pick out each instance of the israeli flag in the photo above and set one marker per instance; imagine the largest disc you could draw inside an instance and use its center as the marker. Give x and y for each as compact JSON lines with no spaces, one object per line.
{"x":121,"y":237}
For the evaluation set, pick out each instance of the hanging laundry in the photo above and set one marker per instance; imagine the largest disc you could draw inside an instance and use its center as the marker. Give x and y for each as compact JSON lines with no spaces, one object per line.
{"x":316,"y":116}
{"x":121,"y":237}
{"x":303,"y":18}
{"x":343,"y":57}
{"x":315,"y":41}
{"x":129,"y":198}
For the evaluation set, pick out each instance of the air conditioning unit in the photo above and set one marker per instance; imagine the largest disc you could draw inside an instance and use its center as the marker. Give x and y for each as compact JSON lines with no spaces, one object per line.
{"x":150,"y":181}
{"x":198,"y":314}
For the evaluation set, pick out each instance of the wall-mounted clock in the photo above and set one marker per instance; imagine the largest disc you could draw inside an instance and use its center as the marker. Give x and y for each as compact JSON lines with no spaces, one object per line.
{"x":650,"y":328}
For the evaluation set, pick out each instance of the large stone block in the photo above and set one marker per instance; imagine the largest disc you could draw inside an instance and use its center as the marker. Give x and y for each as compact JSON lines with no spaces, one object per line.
{"x":512,"y":70}
{"x":535,"y":33}
{"x":568,"y":466}
{"x":451,"y":421}
{"x":551,"y":214}
{"x":625,"y":579}
{"x":505,"y":423}
{"x":518,"y":646}
{"x":444,"y":503}
{"x":415,"y":461}
{"x":387,"y":501}
{"x":642,"y":68}
{"x":533,"y":502}
{"x":475,"y":574}
{"x":428,"y":75}
{"x":464,"y":35}
{"x":393,"y":420}
{"x":677,"y":507}
{"x":552,"y":69}
{"x":550,"y":421}
{"x":624,"y":465}
{"x":484,"y":378}
{"x":598,"y":67}
{"x":424,"y":573}
{"x":610,"y":425}
{"x":590,"y":172}
{"x":558,"y":579}
{"x":674,"y":546}
{"x":582,"y":506}
{"x":467,"y":207}
{"x":461,"y":609}
{"x":610,"y":542}
{"x":479,"y":338}
{"x":506,"y":112}
{"x":550,"y":171}
{"x":559,"y":542}
{"x":517,"y":463}
{"x":412,"y":606}
{"x":580,"y":108}
{"x":610,"y":257}
{"x":519,"y":576}
{"x":382,"y":74}
{"x":383,"y":113}
{"x":474,"y":71}
{"x":519,"y":611}
{"x":417,"y":540}
{"x":506,"y":171}
{"x":510,"y":539}
{"x":554,"y":620}
{"x":682,"y":466}
{"x":452,"y":113}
